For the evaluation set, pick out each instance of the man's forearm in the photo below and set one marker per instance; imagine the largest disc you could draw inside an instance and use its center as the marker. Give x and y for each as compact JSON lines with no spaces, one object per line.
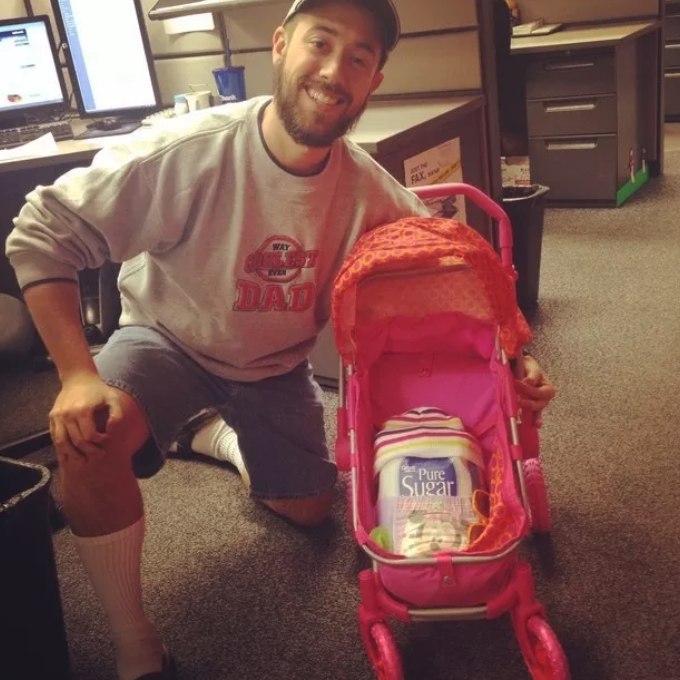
{"x":55,"y":309}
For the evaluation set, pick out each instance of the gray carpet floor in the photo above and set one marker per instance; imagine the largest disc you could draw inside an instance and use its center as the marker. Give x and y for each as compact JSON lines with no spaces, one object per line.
{"x":239,"y":594}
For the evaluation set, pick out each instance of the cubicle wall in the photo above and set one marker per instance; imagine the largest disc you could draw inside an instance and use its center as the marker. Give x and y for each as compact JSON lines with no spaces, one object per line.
{"x":554,"y":11}
{"x":440,"y":50}
{"x":12,"y":8}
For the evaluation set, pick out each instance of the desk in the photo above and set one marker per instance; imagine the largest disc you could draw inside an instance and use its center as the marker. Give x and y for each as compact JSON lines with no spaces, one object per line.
{"x":392,"y":132}
{"x":591,"y":37}
{"x":593,"y":110}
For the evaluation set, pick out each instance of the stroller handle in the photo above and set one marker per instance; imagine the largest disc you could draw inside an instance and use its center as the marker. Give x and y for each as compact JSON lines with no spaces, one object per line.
{"x":488,"y":205}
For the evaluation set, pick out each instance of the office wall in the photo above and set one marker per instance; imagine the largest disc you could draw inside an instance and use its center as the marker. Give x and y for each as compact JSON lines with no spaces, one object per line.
{"x":581,"y":11}
{"x":12,"y":8}
{"x":424,"y":61}
{"x":439,"y":51}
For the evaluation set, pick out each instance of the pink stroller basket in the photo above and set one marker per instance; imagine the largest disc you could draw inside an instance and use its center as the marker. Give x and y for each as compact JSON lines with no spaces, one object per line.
{"x":425,"y":315}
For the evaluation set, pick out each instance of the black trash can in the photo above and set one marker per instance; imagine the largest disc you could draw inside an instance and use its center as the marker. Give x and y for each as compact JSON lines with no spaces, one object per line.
{"x":32,"y":632}
{"x":525,"y":207}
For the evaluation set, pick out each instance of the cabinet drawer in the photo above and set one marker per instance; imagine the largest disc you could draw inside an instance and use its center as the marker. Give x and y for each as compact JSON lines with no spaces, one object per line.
{"x":572,"y":75}
{"x":672,"y":55}
{"x":671,"y":28}
{"x":576,"y":116}
{"x":672,"y":81}
{"x":575,"y":169}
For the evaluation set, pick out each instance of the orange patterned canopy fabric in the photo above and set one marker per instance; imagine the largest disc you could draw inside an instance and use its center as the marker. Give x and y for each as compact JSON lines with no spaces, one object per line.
{"x":429,"y":244}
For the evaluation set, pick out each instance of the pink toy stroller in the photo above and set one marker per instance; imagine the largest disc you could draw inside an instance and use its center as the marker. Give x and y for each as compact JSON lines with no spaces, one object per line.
{"x":425,"y":315}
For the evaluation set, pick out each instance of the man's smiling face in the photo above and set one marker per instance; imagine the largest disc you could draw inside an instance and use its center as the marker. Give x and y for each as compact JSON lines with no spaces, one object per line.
{"x":325,"y":68}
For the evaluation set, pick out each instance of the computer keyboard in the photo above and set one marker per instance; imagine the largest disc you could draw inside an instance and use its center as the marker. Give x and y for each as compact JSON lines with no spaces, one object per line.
{"x":12,"y":137}
{"x":163,"y":114}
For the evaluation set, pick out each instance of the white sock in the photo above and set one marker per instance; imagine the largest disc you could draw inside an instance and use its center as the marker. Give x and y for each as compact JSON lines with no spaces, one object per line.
{"x":113,"y":563}
{"x":217,"y":440}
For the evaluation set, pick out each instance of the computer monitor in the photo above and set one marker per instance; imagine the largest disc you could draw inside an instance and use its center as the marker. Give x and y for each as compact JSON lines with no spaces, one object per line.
{"x":31,"y":81}
{"x":109,"y":58}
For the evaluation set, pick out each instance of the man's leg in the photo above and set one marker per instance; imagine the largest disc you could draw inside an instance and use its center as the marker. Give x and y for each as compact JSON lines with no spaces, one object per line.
{"x":279,"y":423}
{"x":309,"y":512}
{"x":160,"y":389}
{"x":210,"y":436}
{"x":104,"y":508}
{"x":207,"y":433}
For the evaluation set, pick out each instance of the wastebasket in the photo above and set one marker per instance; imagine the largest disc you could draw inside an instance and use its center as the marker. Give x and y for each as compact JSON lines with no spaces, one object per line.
{"x":32,"y":632}
{"x":525,"y":207}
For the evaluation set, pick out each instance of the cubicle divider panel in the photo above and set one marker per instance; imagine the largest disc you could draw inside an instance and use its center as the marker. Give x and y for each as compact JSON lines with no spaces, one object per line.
{"x":12,"y":8}
{"x":439,"y":50}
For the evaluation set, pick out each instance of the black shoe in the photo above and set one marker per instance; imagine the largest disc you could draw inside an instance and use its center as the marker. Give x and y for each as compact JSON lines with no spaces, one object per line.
{"x":189,"y":430}
{"x":169,"y":671}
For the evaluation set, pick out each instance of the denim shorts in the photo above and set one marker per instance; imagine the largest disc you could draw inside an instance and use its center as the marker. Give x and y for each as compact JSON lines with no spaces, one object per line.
{"x":279,"y":421}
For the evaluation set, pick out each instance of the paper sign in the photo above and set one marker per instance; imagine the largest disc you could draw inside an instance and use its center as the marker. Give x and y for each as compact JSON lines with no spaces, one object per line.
{"x":189,"y":24}
{"x":42,"y":146}
{"x":439,"y":165}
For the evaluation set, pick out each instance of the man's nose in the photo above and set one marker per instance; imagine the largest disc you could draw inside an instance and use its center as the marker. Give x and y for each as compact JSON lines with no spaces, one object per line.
{"x":332,"y":68}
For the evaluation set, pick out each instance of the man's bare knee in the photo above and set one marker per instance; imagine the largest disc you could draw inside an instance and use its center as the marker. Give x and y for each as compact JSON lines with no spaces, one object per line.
{"x":100,"y":492}
{"x":304,"y":511}
{"x":87,"y":478}
{"x":123,"y":440}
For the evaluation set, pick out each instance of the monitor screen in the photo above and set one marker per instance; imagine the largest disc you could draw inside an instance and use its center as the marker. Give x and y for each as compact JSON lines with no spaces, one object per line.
{"x":30,"y":74}
{"x":109,"y":56}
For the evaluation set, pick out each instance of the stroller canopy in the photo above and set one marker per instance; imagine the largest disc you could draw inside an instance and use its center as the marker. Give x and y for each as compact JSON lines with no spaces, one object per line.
{"x":420,"y":266}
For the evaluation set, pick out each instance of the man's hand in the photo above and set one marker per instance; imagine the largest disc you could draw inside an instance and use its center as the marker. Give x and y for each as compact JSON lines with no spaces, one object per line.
{"x":534,"y":391}
{"x":83,"y":416}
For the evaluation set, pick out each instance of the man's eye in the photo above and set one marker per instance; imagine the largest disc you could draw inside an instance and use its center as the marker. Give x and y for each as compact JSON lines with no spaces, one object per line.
{"x":318,"y":44}
{"x":358,"y":61}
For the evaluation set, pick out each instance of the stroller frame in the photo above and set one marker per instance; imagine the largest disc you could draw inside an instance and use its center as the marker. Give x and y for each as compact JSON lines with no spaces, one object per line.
{"x":540,"y":648}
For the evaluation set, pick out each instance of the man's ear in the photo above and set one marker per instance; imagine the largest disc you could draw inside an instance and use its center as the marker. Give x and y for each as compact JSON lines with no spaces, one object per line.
{"x":377,"y":81}
{"x":279,"y":42}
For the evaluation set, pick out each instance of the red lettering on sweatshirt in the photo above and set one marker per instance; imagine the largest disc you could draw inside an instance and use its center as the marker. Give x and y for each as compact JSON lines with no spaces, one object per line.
{"x":280,"y":259}
{"x":253,"y":297}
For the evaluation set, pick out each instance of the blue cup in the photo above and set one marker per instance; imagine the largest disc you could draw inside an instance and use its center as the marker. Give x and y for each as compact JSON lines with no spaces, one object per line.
{"x":231,"y":83}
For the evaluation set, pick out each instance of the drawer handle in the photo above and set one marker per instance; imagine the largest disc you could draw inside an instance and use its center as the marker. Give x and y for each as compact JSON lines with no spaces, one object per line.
{"x":675,"y":74}
{"x":580,"y":145}
{"x":569,"y":66}
{"x":673,"y":46}
{"x":571,"y":108}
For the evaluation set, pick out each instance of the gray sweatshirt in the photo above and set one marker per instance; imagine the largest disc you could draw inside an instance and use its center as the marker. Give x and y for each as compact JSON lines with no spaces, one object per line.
{"x":223,"y":251}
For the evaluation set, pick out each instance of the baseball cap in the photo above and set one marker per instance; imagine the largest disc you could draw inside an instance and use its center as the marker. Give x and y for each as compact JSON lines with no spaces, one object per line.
{"x":383,"y":10}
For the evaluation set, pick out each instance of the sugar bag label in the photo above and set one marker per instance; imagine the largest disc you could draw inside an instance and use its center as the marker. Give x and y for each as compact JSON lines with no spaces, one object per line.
{"x":427,"y":477}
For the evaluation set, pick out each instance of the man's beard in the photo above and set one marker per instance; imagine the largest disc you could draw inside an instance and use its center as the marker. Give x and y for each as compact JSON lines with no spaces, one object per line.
{"x":286,"y":96}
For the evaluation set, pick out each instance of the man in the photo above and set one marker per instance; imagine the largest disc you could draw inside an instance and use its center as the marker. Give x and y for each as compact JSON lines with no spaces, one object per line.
{"x":231,"y":227}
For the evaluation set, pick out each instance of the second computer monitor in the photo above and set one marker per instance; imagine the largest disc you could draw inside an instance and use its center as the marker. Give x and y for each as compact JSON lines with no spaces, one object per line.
{"x":109,"y":57}
{"x":31,"y":81}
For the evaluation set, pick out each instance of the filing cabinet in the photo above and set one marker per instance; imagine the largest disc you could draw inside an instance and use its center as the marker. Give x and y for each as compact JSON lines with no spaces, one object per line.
{"x":592,"y":108}
{"x":672,"y":60}
{"x":572,"y":116}
{"x":590,"y":120}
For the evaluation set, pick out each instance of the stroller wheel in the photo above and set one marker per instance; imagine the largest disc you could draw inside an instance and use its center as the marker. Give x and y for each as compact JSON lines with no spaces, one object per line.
{"x":383,"y":653}
{"x":537,"y":495}
{"x":549,"y":662}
